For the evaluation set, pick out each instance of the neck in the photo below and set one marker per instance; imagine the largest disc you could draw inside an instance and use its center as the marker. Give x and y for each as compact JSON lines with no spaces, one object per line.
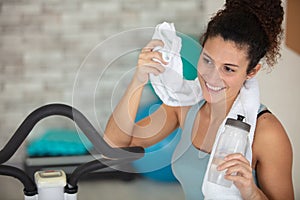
{"x":218,"y":110}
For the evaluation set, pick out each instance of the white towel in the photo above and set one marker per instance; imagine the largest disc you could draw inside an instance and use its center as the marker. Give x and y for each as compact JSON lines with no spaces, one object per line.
{"x":173,"y":90}
{"x":246,"y":104}
{"x":170,"y":86}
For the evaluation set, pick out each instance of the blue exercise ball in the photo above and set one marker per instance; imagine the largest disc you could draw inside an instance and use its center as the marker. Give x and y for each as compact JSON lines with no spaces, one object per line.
{"x":156,"y":163}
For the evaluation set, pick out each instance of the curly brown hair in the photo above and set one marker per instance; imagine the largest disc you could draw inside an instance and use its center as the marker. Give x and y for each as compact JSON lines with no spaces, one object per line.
{"x":255,"y":24}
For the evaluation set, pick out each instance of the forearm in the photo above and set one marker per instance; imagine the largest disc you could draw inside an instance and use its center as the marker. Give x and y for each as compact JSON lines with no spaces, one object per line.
{"x":258,"y":195}
{"x":121,"y":123}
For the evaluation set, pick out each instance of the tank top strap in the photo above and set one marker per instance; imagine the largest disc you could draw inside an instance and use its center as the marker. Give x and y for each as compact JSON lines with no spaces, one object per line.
{"x":262,"y":109}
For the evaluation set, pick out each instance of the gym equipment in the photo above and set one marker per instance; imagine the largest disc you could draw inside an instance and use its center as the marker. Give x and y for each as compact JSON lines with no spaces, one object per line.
{"x":54,"y":184}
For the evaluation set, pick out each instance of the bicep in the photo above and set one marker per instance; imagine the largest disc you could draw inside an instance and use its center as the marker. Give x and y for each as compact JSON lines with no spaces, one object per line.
{"x":274,"y":159}
{"x":155,"y":127}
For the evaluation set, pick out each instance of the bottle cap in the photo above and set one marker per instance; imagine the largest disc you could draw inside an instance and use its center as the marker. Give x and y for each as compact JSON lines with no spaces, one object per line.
{"x":238,"y":123}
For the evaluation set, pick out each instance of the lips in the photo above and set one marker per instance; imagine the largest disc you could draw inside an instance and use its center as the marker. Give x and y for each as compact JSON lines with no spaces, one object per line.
{"x":214,"y":88}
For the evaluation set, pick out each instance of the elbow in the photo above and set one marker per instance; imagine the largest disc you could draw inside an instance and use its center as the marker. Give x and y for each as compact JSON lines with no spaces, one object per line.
{"x":115,"y":141}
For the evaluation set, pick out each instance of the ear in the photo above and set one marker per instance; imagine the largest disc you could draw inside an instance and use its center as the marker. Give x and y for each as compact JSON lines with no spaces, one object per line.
{"x":254,"y":71}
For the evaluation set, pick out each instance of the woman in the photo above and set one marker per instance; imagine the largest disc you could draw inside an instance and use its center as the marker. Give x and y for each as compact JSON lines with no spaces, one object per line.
{"x":236,"y":39}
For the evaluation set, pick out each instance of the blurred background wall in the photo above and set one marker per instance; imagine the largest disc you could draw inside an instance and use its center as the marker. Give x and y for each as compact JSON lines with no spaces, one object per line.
{"x":43,"y":45}
{"x":46,"y":56}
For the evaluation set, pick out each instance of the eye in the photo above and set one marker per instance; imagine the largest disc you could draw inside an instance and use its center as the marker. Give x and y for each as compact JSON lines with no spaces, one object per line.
{"x":207,"y":61}
{"x":228,"y":69}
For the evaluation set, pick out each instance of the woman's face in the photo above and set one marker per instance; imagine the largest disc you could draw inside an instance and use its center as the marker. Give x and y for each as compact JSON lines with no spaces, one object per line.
{"x":222,"y":70}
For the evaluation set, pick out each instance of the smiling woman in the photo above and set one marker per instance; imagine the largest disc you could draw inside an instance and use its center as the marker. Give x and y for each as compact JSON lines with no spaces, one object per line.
{"x":236,"y":39}
{"x":222,"y":71}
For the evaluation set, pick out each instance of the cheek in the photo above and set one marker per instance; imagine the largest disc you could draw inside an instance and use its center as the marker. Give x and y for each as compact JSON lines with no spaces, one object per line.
{"x":199,"y":67}
{"x":235,"y":83}
{"x":203,"y":70}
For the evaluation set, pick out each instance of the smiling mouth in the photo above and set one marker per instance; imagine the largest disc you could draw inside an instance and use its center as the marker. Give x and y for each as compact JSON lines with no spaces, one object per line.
{"x":214,"y":88}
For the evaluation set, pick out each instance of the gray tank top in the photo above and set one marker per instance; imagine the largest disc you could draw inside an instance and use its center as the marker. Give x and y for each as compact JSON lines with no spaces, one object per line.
{"x":189,"y":163}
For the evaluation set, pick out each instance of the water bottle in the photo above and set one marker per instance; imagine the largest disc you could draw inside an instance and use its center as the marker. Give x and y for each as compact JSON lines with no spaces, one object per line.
{"x":233,"y":140}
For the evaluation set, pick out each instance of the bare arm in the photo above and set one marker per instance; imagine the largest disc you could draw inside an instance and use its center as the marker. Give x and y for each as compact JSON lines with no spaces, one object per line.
{"x":274,"y":156}
{"x":121,"y":123}
{"x":121,"y":128}
{"x":157,"y":126}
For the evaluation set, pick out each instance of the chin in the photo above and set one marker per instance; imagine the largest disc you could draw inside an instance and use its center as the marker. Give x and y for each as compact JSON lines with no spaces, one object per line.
{"x":214,"y":97}
{"x":214,"y":100}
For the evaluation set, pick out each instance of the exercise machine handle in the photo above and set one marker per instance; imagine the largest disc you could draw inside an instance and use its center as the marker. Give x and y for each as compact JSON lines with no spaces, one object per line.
{"x":112,"y":156}
{"x":29,"y":186}
{"x":67,"y":111}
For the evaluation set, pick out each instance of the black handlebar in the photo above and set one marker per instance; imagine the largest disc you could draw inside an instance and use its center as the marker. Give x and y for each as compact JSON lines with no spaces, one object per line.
{"x":67,"y":111}
{"x":29,"y":186}
{"x":121,"y":154}
{"x":89,"y":167}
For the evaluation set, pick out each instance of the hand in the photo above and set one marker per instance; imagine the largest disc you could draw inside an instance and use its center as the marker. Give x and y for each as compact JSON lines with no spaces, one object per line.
{"x":239,"y":171}
{"x":147,"y":64}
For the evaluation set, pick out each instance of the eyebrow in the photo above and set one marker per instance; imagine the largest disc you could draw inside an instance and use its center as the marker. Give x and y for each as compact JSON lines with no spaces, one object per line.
{"x":227,"y":64}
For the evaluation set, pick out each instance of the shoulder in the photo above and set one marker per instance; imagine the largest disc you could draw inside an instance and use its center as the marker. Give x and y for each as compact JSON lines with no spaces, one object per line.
{"x":273,"y":157}
{"x":270,"y":132}
{"x":268,"y":125}
{"x":271,"y":141}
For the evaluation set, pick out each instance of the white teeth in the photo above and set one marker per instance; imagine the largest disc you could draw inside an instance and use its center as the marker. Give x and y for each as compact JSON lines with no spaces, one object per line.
{"x":214,"y":87}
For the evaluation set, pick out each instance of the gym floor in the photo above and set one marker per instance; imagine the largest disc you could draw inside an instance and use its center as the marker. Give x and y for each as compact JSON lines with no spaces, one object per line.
{"x":111,"y":189}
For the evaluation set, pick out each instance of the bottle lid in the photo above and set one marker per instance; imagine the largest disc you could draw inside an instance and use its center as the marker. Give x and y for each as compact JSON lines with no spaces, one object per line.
{"x":238,"y":123}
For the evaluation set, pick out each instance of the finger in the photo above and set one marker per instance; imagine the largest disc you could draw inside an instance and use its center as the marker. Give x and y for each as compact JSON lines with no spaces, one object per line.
{"x":229,"y":163}
{"x":148,"y":67}
{"x":159,"y":57}
{"x":151,"y":45}
{"x":240,"y":181}
{"x":240,"y":170}
{"x":151,"y":61}
{"x":153,"y":56}
{"x":146,"y":49}
{"x":154,"y":43}
{"x":237,"y":156}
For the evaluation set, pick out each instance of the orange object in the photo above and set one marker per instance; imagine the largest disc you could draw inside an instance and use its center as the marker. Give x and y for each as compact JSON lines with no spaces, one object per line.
{"x":293,"y":25}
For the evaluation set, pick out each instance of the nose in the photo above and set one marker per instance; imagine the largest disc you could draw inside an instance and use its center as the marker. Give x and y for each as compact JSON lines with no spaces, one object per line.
{"x":213,"y":76}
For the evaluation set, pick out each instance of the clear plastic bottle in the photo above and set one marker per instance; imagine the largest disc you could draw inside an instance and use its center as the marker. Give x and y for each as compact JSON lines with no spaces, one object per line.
{"x":233,"y":140}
